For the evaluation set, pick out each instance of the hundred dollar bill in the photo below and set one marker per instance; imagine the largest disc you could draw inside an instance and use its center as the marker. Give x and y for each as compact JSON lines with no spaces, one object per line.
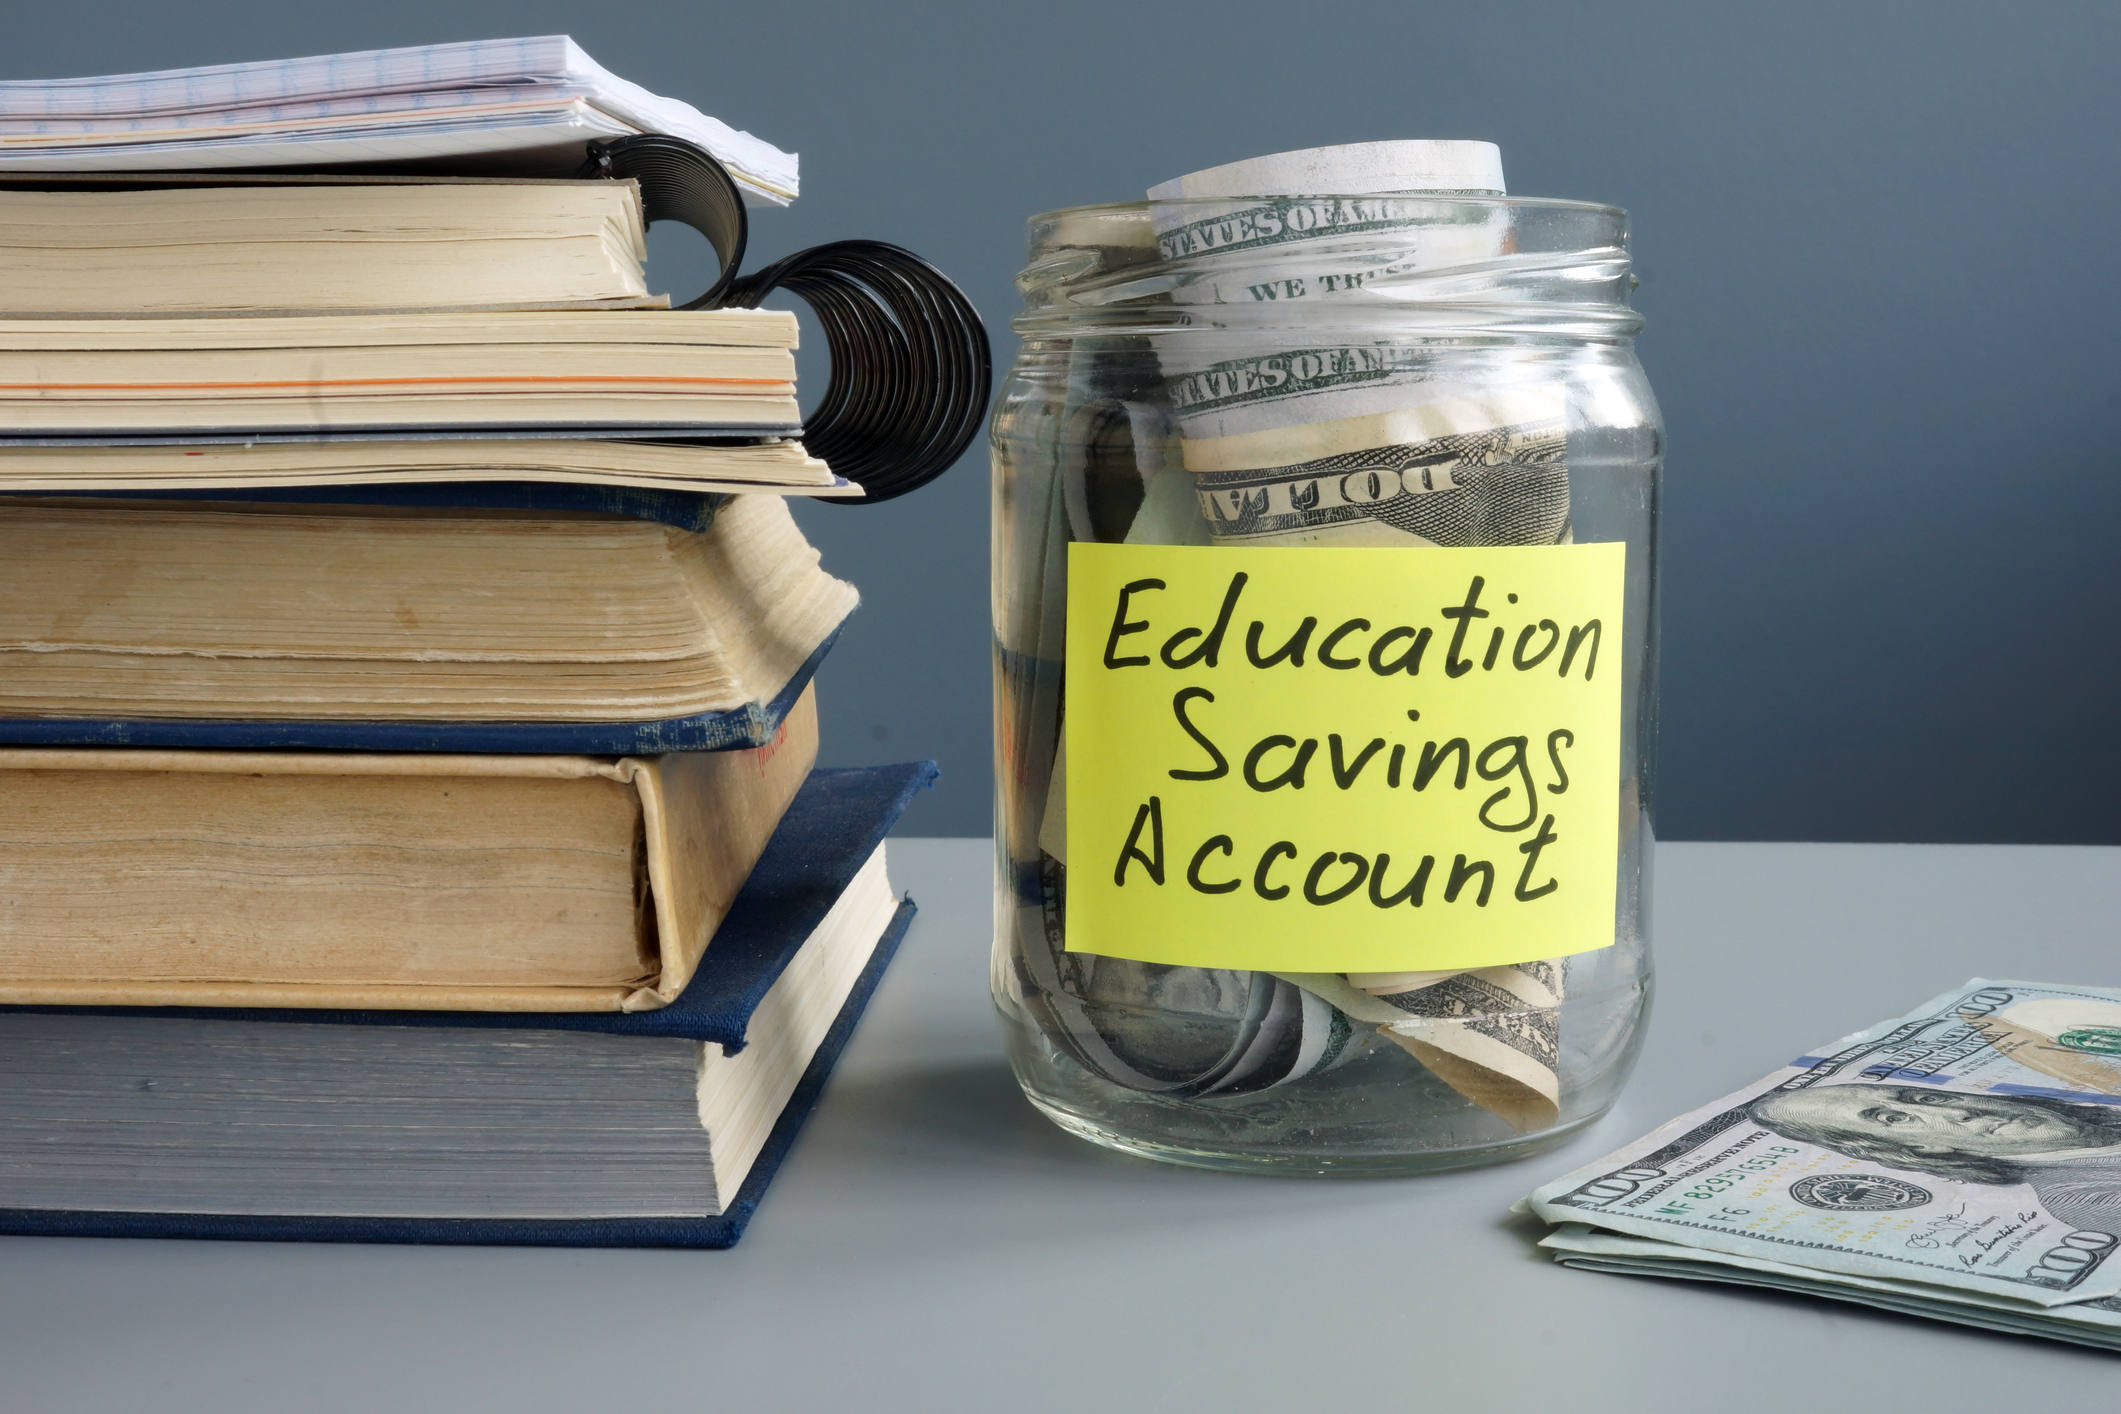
{"x":1970,"y":1150}
{"x":2095,"y":1323}
{"x":1327,"y":222}
{"x":1482,"y":470}
{"x":1324,"y":225}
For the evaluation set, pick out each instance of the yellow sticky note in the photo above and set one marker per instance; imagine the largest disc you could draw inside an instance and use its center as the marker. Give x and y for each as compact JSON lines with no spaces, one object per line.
{"x":1343,"y":760}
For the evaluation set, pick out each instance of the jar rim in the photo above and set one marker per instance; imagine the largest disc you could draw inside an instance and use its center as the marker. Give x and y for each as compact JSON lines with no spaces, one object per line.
{"x":1223,"y":203}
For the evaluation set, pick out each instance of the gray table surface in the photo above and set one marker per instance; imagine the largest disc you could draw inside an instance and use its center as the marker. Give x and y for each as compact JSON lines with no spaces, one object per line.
{"x":933,"y":1244}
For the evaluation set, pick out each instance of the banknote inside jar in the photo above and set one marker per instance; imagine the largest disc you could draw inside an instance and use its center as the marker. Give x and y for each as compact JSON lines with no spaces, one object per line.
{"x":1300,"y":431}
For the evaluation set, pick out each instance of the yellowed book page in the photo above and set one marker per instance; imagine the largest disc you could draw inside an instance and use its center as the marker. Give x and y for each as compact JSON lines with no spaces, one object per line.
{"x":460,"y":273}
{"x":443,"y":882}
{"x":708,"y":816}
{"x":290,"y":689}
{"x":761,"y":589}
{"x":370,"y":246}
{"x":773,"y":465}
{"x":251,"y":583}
{"x":202,"y":374}
{"x":722,"y":328}
{"x":32,"y":414}
{"x":316,"y":996}
{"x":328,"y":614}
{"x":155,"y":876}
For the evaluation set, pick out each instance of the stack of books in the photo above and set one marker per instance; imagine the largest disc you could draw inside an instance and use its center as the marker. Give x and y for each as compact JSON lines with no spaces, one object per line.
{"x":408,"y":828}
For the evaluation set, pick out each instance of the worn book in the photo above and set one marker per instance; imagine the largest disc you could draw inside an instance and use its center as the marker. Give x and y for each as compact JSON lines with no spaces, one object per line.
{"x":257,"y":247}
{"x":684,"y":509}
{"x":122,"y":611}
{"x":778,"y":467}
{"x":378,"y":879}
{"x":669,"y":372}
{"x":518,"y":105}
{"x":655,"y":1128}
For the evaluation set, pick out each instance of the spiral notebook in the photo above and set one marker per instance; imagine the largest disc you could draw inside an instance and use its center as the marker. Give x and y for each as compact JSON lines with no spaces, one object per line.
{"x":911,"y":363}
{"x":522,"y":105}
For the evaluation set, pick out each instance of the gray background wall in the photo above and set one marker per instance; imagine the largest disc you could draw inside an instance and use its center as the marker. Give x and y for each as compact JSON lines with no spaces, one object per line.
{"x":1877,"y":247}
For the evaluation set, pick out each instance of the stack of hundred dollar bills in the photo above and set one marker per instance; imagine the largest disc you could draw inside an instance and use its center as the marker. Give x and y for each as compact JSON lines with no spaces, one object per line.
{"x":1962,"y":1162}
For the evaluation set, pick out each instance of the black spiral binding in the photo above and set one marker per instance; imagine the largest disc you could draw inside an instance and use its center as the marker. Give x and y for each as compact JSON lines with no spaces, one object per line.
{"x":911,"y":367}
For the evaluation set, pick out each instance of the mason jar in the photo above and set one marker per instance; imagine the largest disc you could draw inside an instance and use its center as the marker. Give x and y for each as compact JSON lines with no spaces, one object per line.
{"x":1324,"y":605}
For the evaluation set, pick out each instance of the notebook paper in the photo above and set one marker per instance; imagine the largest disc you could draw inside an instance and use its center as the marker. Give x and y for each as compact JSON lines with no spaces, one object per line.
{"x":519,"y":104}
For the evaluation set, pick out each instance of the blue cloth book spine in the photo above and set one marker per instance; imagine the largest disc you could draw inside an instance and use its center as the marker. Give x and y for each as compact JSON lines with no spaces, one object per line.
{"x":686,"y":510}
{"x":836,"y":822}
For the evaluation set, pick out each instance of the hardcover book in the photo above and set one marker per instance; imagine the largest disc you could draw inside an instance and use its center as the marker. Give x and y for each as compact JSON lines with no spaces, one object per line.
{"x":385,"y":627}
{"x":249,"y":247}
{"x":696,"y":372}
{"x":658,"y":1128}
{"x":302,"y":879}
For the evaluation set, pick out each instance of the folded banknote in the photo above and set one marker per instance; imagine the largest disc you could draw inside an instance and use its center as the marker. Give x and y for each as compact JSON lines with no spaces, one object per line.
{"x":1961,"y":1162}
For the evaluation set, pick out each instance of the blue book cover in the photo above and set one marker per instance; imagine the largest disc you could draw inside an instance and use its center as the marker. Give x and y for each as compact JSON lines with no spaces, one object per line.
{"x":836,"y":822}
{"x":686,"y":510}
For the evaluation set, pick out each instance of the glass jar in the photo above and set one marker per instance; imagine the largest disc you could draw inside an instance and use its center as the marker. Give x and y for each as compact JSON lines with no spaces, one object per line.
{"x":1157,"y":337}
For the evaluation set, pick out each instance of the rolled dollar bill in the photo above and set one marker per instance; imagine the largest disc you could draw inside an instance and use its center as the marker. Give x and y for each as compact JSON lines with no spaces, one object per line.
{"x":1353,"y":440}
{"x":1183,"y":1033}
{"x":1493,"y":1035}
{"x":1481,"y":470}
{"x":1327,"y":222}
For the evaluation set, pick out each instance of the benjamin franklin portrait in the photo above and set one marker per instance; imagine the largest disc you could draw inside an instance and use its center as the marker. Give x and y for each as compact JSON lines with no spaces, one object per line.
{"x":2070,"y":1153}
